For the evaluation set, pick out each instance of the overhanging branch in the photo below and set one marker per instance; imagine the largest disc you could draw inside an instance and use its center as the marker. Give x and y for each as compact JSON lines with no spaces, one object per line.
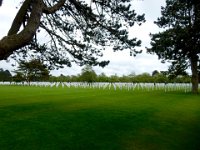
{"x":19,"y":18}
{"x":15,"y":41}
{"x":53,"y":9}
{"x":1,"y":2}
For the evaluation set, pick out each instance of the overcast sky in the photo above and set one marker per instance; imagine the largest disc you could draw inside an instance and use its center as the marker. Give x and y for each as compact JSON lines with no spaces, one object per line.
{"x":121,"y":63}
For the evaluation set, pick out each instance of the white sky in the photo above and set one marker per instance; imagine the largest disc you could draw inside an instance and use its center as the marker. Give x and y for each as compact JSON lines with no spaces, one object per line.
{"x":121,"y":63}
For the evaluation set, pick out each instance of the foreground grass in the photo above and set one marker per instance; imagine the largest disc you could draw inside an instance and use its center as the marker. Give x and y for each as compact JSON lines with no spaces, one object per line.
{"x":97,"y":119}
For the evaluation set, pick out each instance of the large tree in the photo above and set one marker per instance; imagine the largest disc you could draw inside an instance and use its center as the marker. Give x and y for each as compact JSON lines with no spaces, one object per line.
{"x":75,"y":30}
{"x":179,"y":43}
{"x":5,"y":75}
{"x":88,"y":74}
{"x":33,"y":70}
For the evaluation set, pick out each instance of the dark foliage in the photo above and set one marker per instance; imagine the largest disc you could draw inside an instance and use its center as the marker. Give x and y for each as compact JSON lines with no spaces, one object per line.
{"x":180,"y":41}
{"x":1,"y":2}
{"x":80,"y":30}
{"x":5,"y":75}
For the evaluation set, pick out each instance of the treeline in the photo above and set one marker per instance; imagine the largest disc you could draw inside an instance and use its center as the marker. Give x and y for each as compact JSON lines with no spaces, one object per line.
{"x":141,"y":78}
{"x":88,"y":75}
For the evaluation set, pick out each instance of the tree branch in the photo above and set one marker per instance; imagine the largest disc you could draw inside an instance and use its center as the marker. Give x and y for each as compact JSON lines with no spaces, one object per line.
{"x":15,"y":41}
{"x":19,"y":18}
{"x":53,"y":9}
{"x":1,"y":2}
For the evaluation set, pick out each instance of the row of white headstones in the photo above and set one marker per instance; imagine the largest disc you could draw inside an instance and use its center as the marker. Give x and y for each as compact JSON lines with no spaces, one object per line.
{"x":105,"y":85}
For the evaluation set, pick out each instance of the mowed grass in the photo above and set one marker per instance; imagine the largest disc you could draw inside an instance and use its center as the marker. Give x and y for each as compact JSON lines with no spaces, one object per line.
{"x":44,"y":118}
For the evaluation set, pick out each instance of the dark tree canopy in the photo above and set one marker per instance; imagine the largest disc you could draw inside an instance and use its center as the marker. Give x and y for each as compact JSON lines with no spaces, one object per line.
{"x":72,"y":30}
{"x":180,"y":41}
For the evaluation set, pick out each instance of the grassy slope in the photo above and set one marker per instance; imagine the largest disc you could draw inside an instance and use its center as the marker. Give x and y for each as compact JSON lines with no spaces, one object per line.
{"x":93,"y":119}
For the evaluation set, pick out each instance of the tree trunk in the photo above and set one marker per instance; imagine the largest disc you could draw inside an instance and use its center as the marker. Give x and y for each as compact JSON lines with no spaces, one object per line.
{"x":1,"y":2}
{"x":195,"y":77}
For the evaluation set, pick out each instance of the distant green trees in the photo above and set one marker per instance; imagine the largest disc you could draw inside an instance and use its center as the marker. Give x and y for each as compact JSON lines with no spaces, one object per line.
{"x":18,"y":77}
{"x":88,"y":74}
{"x":5,"y":75}
{"x":34,"y":70}
{"x":102,"y":78}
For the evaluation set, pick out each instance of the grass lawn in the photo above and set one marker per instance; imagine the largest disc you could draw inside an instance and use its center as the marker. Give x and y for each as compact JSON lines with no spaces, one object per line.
{"x":45,"y":118}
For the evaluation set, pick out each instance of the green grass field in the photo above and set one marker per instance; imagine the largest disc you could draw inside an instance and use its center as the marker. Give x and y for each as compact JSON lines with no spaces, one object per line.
{"x":44,"y":118}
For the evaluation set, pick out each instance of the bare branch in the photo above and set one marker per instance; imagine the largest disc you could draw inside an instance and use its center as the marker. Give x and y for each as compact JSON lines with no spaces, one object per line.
{"x":53,"y":9}
{"x":12,"y":42}
{"x":1,"y":2}
{"x":19,"y":18}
